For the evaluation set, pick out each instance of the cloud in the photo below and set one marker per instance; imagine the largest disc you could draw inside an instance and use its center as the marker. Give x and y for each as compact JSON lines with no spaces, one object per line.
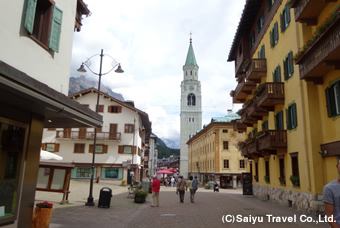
{"x":150,"y":39}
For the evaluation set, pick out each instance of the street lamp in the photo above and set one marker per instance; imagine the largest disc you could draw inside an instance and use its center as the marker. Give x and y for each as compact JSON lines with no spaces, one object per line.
{"x":87,"y":63}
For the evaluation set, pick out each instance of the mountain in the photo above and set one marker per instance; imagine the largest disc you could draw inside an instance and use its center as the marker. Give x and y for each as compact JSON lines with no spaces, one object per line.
{"x":81,"y":83}
{"x":172,"y":144}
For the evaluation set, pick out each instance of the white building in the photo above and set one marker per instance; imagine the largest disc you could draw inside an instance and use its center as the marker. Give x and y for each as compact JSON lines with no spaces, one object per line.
{"x":191,"y":108}
{"x":35,"y":56}
{"x":121,"y":141}
{"x":153,"y":153}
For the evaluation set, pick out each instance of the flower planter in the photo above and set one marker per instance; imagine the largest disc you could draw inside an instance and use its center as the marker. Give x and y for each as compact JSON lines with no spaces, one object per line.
{"x":139,"y":199}
{"x":41,"y":217}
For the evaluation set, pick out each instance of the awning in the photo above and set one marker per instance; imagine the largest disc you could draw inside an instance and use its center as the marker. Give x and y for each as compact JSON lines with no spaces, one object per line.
{"x":20,"y":91}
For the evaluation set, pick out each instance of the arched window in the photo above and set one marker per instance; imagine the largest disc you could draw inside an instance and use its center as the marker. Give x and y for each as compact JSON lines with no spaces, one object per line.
{"x":191,"y":99}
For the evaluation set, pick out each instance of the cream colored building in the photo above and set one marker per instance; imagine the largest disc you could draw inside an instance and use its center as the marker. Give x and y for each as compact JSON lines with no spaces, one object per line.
{"x":213,"y":154}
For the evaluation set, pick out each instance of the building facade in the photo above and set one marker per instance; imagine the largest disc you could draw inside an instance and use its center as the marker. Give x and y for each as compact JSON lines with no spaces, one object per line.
{"x":285,"y":55}
{"x":153,"y":154}
{"x":121,"y":144}
{"x":191,"y":107}
{"x":213,"y":153}
{"x":34,"y":75}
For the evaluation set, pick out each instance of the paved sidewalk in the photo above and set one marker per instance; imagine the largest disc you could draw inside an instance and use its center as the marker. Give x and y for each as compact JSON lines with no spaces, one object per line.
{"x":208,"y":210}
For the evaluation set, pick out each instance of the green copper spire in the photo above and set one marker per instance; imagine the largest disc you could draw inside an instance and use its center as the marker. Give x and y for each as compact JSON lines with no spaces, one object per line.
{"x":191,"y":56}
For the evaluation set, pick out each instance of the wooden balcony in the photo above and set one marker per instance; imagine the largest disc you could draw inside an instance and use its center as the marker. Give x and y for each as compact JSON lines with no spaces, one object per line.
{"x":270,"y":95}
{"x":247,"y":120}
{"x":244,"y":151}
{"x":322,"y":56}
{"x":254,"y":111}
{"x":243,"y":89}
{"x":273,"y":141}
{"x":75,"y":135}
{"x":257,"y":68}
{"x":238,"y":126}
{"x":253,"y":148}
{"x":307,"y":11}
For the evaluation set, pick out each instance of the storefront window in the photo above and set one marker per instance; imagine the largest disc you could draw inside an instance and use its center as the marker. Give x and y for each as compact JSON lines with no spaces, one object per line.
{"x":112,"y":172}
{"x":12,"y":139}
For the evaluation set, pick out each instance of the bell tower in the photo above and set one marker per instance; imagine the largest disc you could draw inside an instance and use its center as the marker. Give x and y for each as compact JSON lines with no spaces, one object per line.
{"x":191,"y":108}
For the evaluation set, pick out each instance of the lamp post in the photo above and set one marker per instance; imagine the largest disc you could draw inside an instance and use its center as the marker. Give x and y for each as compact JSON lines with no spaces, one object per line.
{"x":87,"y":63}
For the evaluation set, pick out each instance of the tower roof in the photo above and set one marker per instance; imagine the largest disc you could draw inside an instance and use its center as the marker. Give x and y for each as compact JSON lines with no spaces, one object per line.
{"x":190,"y":56}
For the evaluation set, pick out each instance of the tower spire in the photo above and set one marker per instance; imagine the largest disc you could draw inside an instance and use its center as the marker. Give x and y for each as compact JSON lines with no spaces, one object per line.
{"x":191,"y":55}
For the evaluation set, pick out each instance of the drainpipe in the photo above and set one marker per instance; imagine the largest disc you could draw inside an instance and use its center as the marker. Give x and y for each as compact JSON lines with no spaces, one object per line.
{"x":305,"y":153}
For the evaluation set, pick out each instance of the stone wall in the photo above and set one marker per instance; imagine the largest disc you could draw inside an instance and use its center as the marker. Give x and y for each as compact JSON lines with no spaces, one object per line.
{"x":306,"y":202}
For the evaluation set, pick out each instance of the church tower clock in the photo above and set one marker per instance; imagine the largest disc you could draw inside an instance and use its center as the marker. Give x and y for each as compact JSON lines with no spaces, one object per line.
{"x":191,"y":108}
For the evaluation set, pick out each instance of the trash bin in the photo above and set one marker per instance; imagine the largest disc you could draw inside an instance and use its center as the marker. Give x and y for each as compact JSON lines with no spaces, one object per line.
{"x":105,"y":197}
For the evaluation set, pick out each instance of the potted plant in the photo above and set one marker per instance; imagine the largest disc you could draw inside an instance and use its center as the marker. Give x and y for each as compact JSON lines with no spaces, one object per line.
{"x":282,"y":180}
{"x":266,"y":179}
{"x":256,"y":178}
{"x":295,"y":180}
{"x":123,"y":182}
{"x":207,"y":186}
{"x":240,"y":145}
{"x":140,"y":195}
{"x":42,"y":215}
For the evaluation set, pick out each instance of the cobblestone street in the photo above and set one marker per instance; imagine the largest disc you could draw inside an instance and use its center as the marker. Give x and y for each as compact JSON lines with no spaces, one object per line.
{"x":207,"y":211}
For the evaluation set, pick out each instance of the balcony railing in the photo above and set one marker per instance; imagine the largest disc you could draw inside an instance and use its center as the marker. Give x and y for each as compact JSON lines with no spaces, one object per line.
{"x":275,"y":140}
{"x":88,"y":135}
{"x":322,"y":56}
{"x":257,"y":68}
{"x":270,"y":95}
{"x":253,"y":148}
{"x":243,"y":89}
{"x":244,"y":151}
{"x":238,"y":126}
{"x":254,"y":111}
{"x":307,"y":11}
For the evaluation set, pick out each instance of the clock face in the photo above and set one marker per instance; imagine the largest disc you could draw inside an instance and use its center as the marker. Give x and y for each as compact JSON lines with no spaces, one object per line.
{"x":191,"y":88}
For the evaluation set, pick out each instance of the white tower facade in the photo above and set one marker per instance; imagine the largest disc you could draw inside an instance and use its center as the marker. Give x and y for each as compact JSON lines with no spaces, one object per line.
{"x":191,"y":108}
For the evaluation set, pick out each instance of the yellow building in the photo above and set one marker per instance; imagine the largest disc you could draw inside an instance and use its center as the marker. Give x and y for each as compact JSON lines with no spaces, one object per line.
{"x":286,"y":56}
{"x":213,"y":154}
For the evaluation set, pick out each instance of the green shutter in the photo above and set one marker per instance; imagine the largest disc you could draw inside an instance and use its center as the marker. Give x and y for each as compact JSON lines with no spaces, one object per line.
{"x":288,"y":120}
{"x":276,"y":33}
{"x":294,"y":116}
{"x":288,"y":13}
{"x":279,"y":120}
{"x":278,"y":74}
{"x":55,"y":29}
{"x":290,"y":63}
{"x":30,"y":15}
{"x":265,"y":125}
{"x":328,"y":101}
{"x":269,"y":2}
{"x":282,"y":21}
{"x":285,"y":70}
{"x":337,"y":96}
{"x":271,"y":38}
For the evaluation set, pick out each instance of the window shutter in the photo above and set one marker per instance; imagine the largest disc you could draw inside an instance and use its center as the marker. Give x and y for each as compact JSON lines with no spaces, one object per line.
{"x":109,"y":109}
{"x":279,"y":120}
{"x":269,"y":3}
{"x":288,"y":120}
{"x":119,"y":109}
{"x":55,"y":29}
{"x":276,"y":33}
{"x":265,"y":125}
{"x":285,"y":70}
{"x":120,"y":149}
{"x":43,"y":146}
{"x":278,"y":77}
{"x":104,"y":149}
{"x":290,"y":63}
{"x":30,"y":15}
{"x":282,"y":23}
{"x":56,"y":147}
{"x":288,"y":13}
{"x":294,"y":116}
{"x":91,"y":148}
{"x":271,"y":39}
{"x":262,"y":56}
{"x":328,"y":102}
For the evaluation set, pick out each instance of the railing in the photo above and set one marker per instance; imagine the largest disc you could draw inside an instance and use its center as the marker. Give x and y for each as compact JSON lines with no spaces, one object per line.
{"x":88,"y":135}
{"x":306,"y":11}
{"x":243,"y":88}
{"x":318,"y":59}
{"x":271,"y":94}
{"x":253,"y":146}
{"x":254,"y":111}
{"x":244,"y":151}
{"x":256,"y":69}
{"x":238,"y":126}
{"x":273,"y":140}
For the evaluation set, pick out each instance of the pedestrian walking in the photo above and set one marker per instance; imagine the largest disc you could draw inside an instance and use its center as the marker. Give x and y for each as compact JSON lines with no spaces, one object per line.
{"x":172,"y":181}
{"x":181,"y":188}
{"x":155,"y":187}
{"x":192,"y":188}
{"x":216,"y":189}
{"x":331,"y":198}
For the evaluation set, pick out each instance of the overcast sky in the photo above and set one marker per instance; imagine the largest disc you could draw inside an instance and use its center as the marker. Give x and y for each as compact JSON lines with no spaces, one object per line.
{"x":150,"y":38}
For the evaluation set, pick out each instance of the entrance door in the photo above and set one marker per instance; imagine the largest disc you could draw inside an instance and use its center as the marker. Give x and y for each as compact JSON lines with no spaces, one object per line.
{"x":113,"y":131}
